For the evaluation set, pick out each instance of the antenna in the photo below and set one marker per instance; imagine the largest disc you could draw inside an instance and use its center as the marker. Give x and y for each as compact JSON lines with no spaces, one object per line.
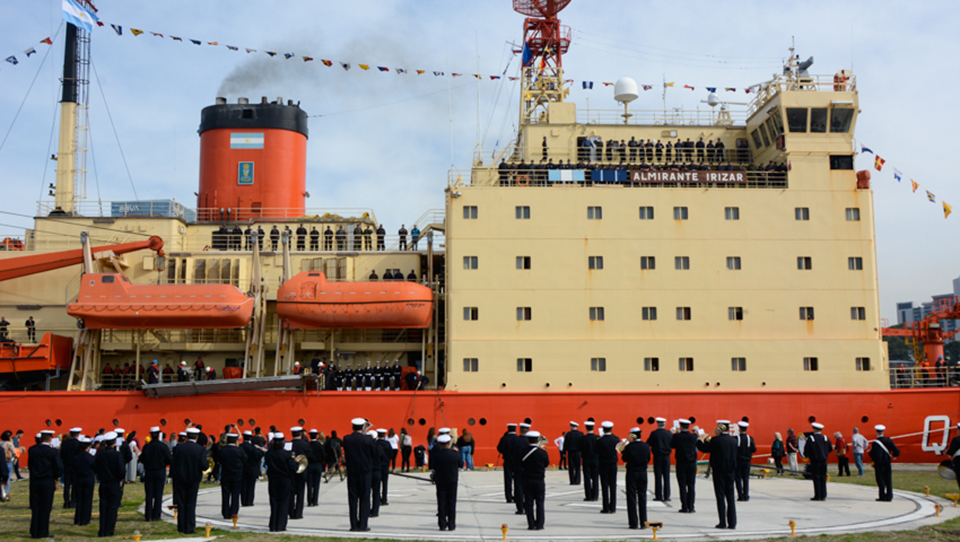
{"x":544,"y":43}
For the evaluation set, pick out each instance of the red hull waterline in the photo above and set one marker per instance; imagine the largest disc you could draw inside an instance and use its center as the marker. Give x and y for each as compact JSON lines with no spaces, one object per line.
{"x":914,"y":418}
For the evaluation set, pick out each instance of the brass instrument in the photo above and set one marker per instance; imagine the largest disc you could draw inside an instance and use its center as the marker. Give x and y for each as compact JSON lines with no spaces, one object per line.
{"x":210,"y":465}
{"x":542,"y":442}
{"x":303,"y":462}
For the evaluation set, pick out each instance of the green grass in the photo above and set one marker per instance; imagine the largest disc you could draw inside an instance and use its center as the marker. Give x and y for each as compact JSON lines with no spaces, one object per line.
{"x":15,"y":517}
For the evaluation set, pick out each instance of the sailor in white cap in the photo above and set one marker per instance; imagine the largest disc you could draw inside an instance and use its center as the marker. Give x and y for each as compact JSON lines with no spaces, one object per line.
{"x":446,"y":430}
{"x":659,"y":441}
{"x":636,"y":455}
{"x":505,"y":447}
{"x":446,"y":465}
{"x":685,"y":443}
{"x":251,"y":469}
{"x":315,"y":468}
{"x":84,"y":481}
{"x":882,"y":452}
{"x":591,"y":465}
{"x":533,"y":466}
{"x":110,"y":470}
{"x":45,"y":470}
{"x":69,"y":449}
{"x":517,"y":451}
{"x":232,"y":461}
{"x":571,"y":448}
{"x":299,"y":446}
{"x":361,"y":452}
{"x":381,"y":473}
{"x":183,"y":373}
{"x":156,"y":457}
{"x":607,"y":456}
{"x":817,"y":449}
{"x":723,"y":461}
{"x":189,"y":463}
{"x":746,"y":447}
{"x":281,"y":467}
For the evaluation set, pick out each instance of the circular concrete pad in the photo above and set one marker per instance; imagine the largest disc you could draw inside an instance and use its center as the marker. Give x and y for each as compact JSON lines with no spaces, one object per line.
{"x":482,"y":509}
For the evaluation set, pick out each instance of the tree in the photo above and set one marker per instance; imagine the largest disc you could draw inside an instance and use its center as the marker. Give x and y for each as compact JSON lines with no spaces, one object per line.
{"x":897,"y":346}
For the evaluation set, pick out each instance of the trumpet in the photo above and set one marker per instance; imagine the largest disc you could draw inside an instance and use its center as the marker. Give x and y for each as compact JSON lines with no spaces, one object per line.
{"x":302,"y":463}
{"x":210,"y":465}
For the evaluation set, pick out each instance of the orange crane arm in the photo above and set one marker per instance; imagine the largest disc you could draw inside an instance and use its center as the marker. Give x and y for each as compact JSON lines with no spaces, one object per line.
{"x":11,"y":268}
{"x":891,"y":332}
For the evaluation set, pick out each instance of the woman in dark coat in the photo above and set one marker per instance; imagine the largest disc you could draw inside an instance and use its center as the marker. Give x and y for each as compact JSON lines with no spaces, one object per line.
{"x":281,"y":467}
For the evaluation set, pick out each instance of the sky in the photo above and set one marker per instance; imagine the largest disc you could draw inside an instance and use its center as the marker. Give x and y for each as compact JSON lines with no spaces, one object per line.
{"x":386,"y":141}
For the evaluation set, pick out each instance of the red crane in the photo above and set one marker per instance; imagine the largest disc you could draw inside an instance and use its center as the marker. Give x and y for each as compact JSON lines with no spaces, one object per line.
{"x":928,"y":332}
{"x":543,"y":35}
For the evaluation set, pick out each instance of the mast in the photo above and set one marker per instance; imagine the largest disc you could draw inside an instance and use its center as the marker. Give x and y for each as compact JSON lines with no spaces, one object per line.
{"x":545,"y":40}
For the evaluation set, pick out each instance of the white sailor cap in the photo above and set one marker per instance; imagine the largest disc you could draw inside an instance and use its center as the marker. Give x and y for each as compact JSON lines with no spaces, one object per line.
{"x":110,"y":436}
{"x":589,"y":422}
{"x":533,"y":434}
{"x":277,"y":436}
{"x":816,"y":425}
{"x":743,"y":424}
{"x":372,"y":433}
{"x":607,"y":425}
{"x":725,"y":422}
{"x":575,"y":424}
{"x":314,"y":432}
{"x":39,"y":436}
{"x":683,"y":421}
{"x":288,"y":446}
{"x":446,"y":430}
{"x":193,"y":431}
{"x":248,"y":433}
{"x":381,"y":431}
{"x":183,"y":363}
{"x":182,"y":433}
{"x":443,"y":439}
{"x":296,"y":429}
{"x":155,"y":429}
{"x":97,"y":439}
{"x":525,"y":424}
{"x":661,"y":420}
{"x":120,"y":430}
{"x":358,"y":421}
{"x":635,"y":430}
{"x":233,"y":435}
{"x":47,"y":432}
{"x":83,"y":439}
{"x":880,"y":427}
{"x":76,"y":430}
{"x":514,"y":425}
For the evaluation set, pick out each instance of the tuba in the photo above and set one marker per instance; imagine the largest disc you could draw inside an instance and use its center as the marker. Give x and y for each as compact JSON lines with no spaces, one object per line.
{"x":302,"y":463}
{"x":209,"y":470}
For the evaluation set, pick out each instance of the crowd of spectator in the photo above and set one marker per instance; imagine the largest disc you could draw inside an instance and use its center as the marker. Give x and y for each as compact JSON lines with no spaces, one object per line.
{"x":361,"y":237}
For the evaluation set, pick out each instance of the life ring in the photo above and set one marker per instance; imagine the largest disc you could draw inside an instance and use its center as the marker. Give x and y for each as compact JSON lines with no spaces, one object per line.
{"x":522,"y":180}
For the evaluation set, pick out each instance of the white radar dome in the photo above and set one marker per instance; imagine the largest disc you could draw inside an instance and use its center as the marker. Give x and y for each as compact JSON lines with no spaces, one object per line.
{"x":712,"y":99}
{"x":625,"y":90}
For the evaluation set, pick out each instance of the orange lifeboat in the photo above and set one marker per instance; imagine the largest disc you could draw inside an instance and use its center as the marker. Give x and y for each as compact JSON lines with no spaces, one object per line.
{"x":111,"y":301}
{"x":308,"y":301}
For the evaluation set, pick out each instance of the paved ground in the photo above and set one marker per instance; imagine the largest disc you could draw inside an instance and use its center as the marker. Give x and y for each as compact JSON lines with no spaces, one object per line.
{"x":482,"y":510}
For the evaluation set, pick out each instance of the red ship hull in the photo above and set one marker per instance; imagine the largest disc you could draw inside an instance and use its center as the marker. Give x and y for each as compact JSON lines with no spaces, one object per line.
{"x":904,"y":412}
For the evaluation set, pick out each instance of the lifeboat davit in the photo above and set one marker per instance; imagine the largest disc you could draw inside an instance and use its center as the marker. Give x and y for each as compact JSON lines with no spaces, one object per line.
{"x":309,"y":301}
{"x":111,"y":301}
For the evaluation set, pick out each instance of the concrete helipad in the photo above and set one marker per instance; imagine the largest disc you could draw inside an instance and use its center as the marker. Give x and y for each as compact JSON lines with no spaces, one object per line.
{"x":482,"y":510}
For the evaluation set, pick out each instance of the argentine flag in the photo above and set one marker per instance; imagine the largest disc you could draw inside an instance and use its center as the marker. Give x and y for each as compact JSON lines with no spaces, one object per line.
{"x":246,"y":140}
{"x":78,"y":15}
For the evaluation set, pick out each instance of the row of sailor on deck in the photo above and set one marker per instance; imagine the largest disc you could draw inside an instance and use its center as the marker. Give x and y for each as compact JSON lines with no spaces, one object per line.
{"x":362,"y":238}
{"x":538,"y":173}
{"x":594,"y":149}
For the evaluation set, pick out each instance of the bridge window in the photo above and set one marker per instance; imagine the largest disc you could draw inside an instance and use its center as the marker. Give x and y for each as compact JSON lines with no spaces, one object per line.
{"x":471,"y":313}
{"x":651,"y":364}
{"x":841,"y":162}
{"x":797,"y":119}
{"x":469,"y":212}
{"x":818,"y":120}
{"x":738,"y":364}
{"x":524,"y":365}
{"x":686,"y":364}
{"x":840,"y":120}
{"x":811,"y":364}
{"x":596,"y":313}
{"x":598,"y":364}
{"x":863,"y":364}
{"x":649,"y":313}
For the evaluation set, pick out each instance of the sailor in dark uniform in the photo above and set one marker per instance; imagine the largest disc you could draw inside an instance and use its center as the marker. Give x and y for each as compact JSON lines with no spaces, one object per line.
{"x":84,"y":480}
{"x":301,"y":237}
{"x":368,"y":377}
{"x":316,"y":458}
{"x":396,"y":375}
{"x":607,"y":457}
{"x":446,"y":465}
{"x":882,"y":452}
{"x":251,"y":469}
{"x":274,"y":238}
{"x":232,"y":462}
{"x":954,"y":452}
{"x":685,"y":444}
{"x":817,"y":449}
{"x":503,"y":447}
{"x":314,"y":239}
{"x":281,"y":467}
{"x":571,"y":447}
{"x":347,"y":378}
{"x":247,"y":238}
{"x":156,"y":457}
{"x":591,"y":466}
{"x":517,"y":450}
{"x":746,"y":447}
{"x":189,"y":462}
{"x":300,"y":447}
{"x":69,"y":448}
{"x":377,"y":377}
{"x":659,"y":441}
{"x":723,"y":461}
{"x":636,"y":454}
{"x":533,"y":465}
{"x":387,"y":450}
{"x":361,"y":454}
{"x":45,"y":469}
{"x":110,"y":470}
{"x":153,"y":373}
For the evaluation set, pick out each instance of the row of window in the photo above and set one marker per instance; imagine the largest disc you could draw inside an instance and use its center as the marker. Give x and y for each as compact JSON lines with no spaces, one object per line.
{"x":525,"y":365}
{"x":470,"y":212}
{"x":682,"y":263}
{"x":650,"y":313}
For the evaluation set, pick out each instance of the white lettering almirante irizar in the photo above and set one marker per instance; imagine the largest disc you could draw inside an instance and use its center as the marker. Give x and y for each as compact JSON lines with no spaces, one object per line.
{"x":678,"y":176}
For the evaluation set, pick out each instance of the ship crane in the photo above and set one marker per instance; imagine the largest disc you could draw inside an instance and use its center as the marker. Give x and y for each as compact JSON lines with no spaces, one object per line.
{"x":545,"y":41}
{"x":927,"y":335}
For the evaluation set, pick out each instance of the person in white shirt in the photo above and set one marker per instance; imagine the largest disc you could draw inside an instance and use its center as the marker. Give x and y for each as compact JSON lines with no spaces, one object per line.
{"x":859,"y":446}
{"x":558,"y":442}
{"x":394,"y":439}
{"x":406,"y":447}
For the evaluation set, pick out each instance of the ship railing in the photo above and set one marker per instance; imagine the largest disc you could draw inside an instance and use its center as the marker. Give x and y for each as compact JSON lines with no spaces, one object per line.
{"x":349,"y":244}
{"x":631,"y":157}
{"x":669,"y":117}
{"x":764,"y":92}
{"x":924,"y":377}
{"x":607,"y":178}
{"x":174,"y":209}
